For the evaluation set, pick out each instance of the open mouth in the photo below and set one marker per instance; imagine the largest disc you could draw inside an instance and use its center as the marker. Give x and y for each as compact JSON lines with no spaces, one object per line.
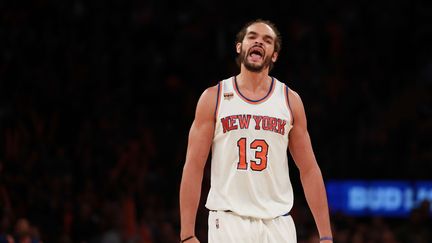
{"x":256,"y":53}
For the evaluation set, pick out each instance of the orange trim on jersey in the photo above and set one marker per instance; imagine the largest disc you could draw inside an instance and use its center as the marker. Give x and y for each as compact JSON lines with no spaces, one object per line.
{"x":254,"y":102}
{"x":288,"y":103}
{"x":218,"y":99}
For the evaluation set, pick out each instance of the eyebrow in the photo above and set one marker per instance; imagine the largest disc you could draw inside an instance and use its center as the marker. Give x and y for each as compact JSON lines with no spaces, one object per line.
{"x":255,"y":33}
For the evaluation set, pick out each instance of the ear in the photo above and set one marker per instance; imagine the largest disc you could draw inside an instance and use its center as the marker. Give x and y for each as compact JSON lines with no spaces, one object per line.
{"x":238,"y":47}
{"x":274,"y":56}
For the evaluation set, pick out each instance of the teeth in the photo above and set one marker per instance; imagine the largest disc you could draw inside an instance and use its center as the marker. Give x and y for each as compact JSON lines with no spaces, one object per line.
{"x":257,"y":52}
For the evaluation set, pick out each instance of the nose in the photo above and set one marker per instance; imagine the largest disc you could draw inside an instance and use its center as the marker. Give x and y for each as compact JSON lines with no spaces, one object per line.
{"x":259,"y":42}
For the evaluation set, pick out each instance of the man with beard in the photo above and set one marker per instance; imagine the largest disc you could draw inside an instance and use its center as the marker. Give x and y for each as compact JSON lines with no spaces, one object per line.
{"x":249,"y":121}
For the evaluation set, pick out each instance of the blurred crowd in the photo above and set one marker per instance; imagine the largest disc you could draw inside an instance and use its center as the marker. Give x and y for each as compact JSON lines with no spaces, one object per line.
{"x":97,"y":97}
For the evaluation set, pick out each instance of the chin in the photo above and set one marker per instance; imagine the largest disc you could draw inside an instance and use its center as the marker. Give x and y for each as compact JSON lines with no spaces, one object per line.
{"x":255,"y":69}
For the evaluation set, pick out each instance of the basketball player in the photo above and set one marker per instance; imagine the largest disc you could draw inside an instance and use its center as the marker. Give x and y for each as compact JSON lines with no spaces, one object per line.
{"x":249,"y":121}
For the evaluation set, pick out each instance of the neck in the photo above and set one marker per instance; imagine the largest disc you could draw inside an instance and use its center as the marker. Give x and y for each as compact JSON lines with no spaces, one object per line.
{"x":253,"y":80}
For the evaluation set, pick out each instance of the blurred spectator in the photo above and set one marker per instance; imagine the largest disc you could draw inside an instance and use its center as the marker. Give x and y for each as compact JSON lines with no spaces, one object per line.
{"x":417,"y":230}
{"x":25,"y":233}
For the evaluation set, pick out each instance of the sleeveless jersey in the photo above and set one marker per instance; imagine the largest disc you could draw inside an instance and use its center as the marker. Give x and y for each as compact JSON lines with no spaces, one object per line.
{"x":249,"y":166}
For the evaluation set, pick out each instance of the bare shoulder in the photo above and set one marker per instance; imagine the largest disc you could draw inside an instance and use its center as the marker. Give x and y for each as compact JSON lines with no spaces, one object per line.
{"x":298,"y":111}
{"x":210,"y":93}
{"x":295,"y":100}
{"x":207,"y":103}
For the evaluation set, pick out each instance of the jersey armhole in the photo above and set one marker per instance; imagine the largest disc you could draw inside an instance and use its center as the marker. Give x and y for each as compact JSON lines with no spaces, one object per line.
{"x":218,"y":99}
{"x":288,"y":104}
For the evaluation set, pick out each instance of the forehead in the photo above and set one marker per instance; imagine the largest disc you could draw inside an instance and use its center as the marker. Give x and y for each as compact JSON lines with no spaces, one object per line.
{"x":262,"y":29}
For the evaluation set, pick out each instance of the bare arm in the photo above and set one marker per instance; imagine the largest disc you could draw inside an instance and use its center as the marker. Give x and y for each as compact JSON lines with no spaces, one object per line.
{"x":310,"y":174}
{"x":200,"y":140}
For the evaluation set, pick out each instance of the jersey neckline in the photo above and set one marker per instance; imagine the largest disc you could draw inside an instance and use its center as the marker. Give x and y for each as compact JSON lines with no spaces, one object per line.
{"x":250,"y":101}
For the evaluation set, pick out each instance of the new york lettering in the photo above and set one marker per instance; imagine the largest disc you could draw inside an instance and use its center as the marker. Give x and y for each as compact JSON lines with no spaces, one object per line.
{"x":243,"y":121}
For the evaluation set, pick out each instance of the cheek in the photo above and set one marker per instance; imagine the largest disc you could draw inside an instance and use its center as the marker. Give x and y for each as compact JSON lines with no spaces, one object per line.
{"x":244,"y":47}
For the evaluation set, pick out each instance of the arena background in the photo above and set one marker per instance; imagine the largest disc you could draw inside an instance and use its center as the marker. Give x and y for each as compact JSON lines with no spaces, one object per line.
{"x":97,"y":97}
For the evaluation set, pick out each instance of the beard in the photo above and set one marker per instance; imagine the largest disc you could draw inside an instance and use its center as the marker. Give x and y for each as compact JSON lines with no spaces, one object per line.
{"x":256,"y":68}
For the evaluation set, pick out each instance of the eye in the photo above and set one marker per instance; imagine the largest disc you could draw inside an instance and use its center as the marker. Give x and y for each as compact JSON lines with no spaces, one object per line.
{"x":268,"y":41}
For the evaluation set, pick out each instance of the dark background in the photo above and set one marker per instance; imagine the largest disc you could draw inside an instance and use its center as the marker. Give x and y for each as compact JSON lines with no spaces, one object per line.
{"x":97,"y":97}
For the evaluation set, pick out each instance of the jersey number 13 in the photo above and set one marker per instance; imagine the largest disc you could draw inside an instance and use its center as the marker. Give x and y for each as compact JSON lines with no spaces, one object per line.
{"x":261,"y":150}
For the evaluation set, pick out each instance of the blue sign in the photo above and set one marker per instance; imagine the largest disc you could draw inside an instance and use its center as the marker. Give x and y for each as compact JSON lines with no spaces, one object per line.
{"x":377,"y":198}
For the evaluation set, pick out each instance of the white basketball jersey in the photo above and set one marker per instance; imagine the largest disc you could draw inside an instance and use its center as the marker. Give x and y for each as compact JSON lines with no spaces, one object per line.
{"x":249,"y":166}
